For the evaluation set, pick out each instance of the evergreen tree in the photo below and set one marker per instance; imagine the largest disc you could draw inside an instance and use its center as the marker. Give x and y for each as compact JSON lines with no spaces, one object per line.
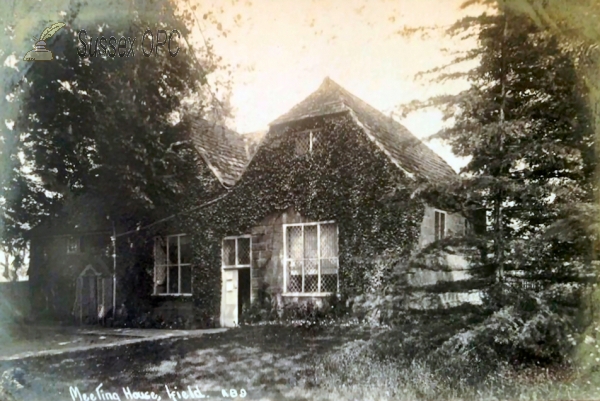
{"x":526,"y":126}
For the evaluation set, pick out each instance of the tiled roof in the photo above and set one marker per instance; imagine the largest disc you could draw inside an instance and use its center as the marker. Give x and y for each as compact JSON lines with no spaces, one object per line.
{"x":223,"y":150}
{"x":403,"y":148}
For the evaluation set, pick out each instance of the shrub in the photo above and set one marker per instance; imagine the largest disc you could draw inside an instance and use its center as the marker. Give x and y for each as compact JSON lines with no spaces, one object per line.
{"x":334,"y":310}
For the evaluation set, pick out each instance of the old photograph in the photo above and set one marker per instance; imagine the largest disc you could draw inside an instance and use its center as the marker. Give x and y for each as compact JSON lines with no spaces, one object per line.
{"x":299,"y":200}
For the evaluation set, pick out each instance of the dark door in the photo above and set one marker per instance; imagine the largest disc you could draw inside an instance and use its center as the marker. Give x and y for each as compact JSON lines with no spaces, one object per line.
{"x":89,"y":300}
{"x":243,"y":291}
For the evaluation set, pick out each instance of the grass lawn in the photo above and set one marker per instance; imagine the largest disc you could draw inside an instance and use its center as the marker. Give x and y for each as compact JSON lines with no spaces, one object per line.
{"x":269,"y":363}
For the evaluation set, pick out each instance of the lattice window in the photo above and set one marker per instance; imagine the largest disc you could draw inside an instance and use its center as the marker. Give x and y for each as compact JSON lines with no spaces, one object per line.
{"x":308,"y":141}
{"x":311,"y":258}
{"x":440,"y":225}
{"x":172,"y":265}
{"x":237,"y":251}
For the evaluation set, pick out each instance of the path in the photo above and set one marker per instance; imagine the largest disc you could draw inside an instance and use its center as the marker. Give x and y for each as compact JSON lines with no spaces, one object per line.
{"x":97,"y":338}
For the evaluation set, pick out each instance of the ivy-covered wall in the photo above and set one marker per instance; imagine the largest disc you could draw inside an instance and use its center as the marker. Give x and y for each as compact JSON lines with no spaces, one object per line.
{"x":346,"y":179}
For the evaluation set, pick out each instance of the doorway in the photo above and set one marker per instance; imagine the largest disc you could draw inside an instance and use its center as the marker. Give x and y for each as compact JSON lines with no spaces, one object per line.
{"x":243,"y":292}
{"x":235,"y":295}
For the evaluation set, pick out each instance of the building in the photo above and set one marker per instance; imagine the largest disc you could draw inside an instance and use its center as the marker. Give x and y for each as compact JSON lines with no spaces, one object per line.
{"x":307,"y":213}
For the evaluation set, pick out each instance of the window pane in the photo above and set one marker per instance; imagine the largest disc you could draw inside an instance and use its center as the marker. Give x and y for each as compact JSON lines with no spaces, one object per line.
{"x":310,"y":242}
{"x":302,"y":143}
{"x":329,"y":266}
{"x":161,"y":289}
{"x":294,"y":242}
{"x":316,"y":140}
{"x":186,"y":279}
{"x":160,"y":279}
{"x":294,"y":279}
{"x":173,"y":279}
{"x":243,"y":251}
{"x":185,"y":244}
{"x":229,"y":252}
{"x":72,"y":245}
{"x":442,"y":225}
{"x":311,"y":276}
{"x":329,"y":241}
{"x":160,"y":260}
{"x":173,"y":258}
{"x":329,"y":282}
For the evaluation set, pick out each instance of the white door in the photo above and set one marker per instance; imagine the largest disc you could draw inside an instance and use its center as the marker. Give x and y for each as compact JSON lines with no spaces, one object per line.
{"x":229,"y":298}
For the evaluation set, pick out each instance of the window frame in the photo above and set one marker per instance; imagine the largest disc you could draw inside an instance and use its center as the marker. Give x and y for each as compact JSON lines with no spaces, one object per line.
{"x":436,"y":232}
{"x":286,"y":259}
{"x":311,"y":140}
{"x":237,"y":265}
{"x":71,"y":239}
{"x":167,"y":266}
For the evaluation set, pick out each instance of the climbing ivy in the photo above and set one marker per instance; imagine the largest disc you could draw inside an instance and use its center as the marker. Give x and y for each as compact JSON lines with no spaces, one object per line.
{"x":347,"y":178}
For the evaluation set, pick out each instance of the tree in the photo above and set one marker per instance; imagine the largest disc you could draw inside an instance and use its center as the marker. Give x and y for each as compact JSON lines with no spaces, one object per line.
{"x":526,"y":126}
{"x":108,"y":133}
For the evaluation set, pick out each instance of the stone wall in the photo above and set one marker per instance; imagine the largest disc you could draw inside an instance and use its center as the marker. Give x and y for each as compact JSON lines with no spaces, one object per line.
{"x":445,"y":268}
{"x":268,"y":251}
{"x":268,"y":254}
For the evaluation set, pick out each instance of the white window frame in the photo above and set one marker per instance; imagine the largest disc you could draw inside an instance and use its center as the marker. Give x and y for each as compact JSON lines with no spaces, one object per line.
{"x":435,"y":232}
{"x":286,"y":259}
{"x":179,"y":266}
{"x":237,"y":264}
{"x":311,"y":138}
{"x":71,"y":240}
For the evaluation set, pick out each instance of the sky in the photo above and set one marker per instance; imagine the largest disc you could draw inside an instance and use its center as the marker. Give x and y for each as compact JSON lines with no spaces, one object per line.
{"x":281,"y":50}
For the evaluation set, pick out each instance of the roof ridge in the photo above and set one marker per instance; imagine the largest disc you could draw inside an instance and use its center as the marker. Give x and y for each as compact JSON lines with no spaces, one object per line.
{"x":391,"y":119}
{"x":401,"y":145}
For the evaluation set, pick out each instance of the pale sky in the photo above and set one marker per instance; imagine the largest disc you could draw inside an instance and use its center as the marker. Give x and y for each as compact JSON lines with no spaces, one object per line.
{"x":281,"y":50}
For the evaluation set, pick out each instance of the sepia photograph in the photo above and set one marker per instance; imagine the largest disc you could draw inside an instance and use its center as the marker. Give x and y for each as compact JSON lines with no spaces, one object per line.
{"x":299,"y":200}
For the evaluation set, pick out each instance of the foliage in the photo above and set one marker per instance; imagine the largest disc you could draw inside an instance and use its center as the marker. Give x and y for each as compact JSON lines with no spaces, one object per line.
{"x":347,"y":179}
{"x":527,"y":130}
{"x":354,"y":371}
{"x":112,"y":134}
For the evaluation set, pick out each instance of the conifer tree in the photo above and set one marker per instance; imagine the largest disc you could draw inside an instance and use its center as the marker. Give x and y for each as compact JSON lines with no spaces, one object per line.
{"x":526,"y":126}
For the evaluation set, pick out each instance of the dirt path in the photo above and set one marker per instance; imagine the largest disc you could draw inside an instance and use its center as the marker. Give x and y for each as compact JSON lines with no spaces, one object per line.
{"x":83,"y":340}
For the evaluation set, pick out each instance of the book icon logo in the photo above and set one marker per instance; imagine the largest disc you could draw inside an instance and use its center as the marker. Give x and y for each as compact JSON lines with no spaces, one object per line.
{"x":40,"y":53}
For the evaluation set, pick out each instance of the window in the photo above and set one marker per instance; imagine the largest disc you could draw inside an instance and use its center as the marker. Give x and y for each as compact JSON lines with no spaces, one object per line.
{"x":73,"y":244}
{"x":307,"y":141}
{"x":236,"y":251}
{"x":172,"y":265}
{"x":440,"y":225}
{"x":311,"y":258}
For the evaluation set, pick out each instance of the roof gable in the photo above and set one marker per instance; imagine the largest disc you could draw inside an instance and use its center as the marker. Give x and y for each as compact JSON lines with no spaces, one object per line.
{"x":404,"y":149}
{"x":223,"y":150}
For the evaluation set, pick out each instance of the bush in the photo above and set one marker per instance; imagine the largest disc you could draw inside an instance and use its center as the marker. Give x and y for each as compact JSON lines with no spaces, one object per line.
{"x":305,"y":314}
